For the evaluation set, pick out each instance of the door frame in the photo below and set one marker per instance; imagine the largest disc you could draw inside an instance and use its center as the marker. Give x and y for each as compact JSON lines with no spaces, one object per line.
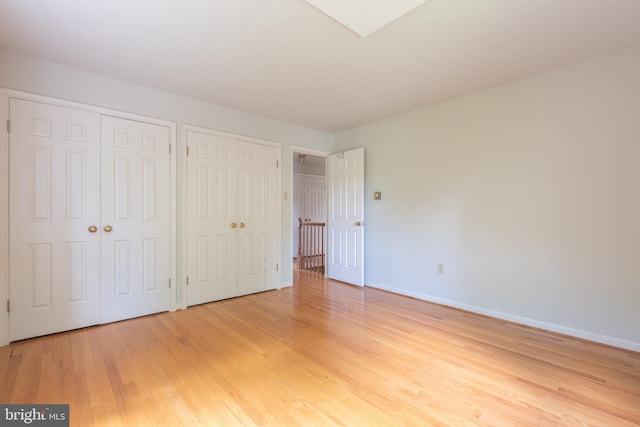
{"x":184,"y":129}
{"x":5,"y":95}
{"x":288,"y":263}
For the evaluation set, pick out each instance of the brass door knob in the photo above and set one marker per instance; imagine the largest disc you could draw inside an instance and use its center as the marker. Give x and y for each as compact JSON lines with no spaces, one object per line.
{"x":93,"y":229}
{"x":358,"y":224}
{"x":242,"y":225}
{"x":234,"y":225}
{"x":107,"y":228}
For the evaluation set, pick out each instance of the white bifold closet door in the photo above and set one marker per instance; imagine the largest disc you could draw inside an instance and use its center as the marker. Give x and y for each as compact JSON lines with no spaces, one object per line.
{"x":232,"y":217}
{"x":54,"y":198}
{"x":136,"y":214}
{"x":89,"y":219}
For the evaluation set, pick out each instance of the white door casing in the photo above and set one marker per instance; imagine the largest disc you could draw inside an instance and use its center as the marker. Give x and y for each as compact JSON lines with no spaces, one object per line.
{"x":232,"y":216}
{"x":54,"y":200}
{"x":136,"y":219}
{"x":345,"y":188}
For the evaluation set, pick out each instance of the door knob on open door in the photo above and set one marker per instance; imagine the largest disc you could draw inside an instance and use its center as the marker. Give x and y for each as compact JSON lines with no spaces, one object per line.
{"x":107,"y":228}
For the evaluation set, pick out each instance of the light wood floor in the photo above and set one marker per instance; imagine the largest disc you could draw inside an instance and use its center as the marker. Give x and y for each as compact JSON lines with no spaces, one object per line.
{"x":323,"y":353}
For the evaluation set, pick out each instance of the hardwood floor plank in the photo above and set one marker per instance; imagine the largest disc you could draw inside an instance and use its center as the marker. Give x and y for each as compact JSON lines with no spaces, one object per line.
{"x":323,"y":353}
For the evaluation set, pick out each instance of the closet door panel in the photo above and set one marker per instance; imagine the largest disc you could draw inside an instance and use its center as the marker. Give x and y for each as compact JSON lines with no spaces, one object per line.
{"x":136,"y":214}
{"x":257,"y":208}
{"x":212,"y":224}
{"x":54,"y":200}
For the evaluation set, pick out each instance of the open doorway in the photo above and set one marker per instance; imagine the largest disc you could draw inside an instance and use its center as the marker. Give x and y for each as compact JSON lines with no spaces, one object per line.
{"x":309,"y":200}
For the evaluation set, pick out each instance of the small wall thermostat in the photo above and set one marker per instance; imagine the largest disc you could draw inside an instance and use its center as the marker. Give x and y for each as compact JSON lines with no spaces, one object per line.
{"x":377,"y":195}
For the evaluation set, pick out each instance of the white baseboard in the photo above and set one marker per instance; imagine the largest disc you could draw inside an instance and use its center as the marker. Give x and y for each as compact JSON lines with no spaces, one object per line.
{"x":577,"y":333}
{"x":285,"y":285}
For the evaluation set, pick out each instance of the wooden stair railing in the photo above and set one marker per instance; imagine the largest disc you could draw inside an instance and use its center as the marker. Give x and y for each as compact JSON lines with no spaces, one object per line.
{"x":311,"y":246}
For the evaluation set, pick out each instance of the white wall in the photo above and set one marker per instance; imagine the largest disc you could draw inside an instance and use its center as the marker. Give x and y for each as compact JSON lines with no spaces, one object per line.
{"x":30,"y":75}
{"x":527,"y":193}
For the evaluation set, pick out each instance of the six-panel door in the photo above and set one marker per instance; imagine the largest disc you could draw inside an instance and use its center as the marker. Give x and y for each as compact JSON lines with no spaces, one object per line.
{"x":136,"y":215}
{"x":212,"y":218}
{"x":345,"y":258}
{"x":54,"y":202}
{"x":309,"y":202}
{"x":257,"y":216}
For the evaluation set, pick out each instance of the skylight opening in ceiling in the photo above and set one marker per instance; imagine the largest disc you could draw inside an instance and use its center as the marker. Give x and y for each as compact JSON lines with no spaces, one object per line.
{"x":364,"y":17}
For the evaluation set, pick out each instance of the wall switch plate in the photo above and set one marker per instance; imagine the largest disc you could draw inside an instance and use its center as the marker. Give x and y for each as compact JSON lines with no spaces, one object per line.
{"x":377,"y":195}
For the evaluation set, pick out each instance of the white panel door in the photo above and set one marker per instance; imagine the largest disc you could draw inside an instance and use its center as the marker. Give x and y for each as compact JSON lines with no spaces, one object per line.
{"x":309,"y":202}
{"x":345,"y":260}
{"x":315,"y":207}
{"x":212,"y":218}
{"x":136,"y":214}
{"x":54,"y":200}
{"x":257,"y":217}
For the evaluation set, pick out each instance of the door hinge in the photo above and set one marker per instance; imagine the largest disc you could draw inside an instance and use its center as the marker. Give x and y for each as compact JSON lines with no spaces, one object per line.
{"x":187,"y":280}
{"x":169,"y":148}
{"x":169,"y":282}
{"x":277,"y":267}
{"x":9,"y":126}
{"x":8,"y":306}
{"x":187,"y":151}
{"x":277,"y":163}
